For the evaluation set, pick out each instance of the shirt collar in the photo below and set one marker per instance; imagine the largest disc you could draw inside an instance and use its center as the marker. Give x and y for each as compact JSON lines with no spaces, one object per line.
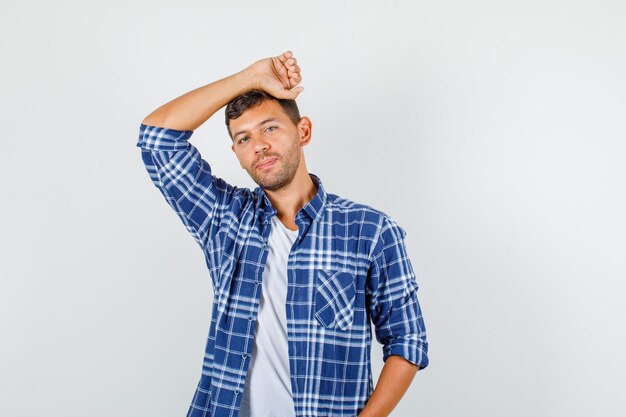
{"x":313,"y":208}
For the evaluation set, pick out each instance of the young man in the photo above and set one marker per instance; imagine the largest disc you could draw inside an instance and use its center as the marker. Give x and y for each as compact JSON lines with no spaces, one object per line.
{"x":298,"y":274}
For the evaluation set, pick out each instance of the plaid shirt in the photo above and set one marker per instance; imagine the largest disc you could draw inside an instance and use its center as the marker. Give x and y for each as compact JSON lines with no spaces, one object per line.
{"x":348,"y":267}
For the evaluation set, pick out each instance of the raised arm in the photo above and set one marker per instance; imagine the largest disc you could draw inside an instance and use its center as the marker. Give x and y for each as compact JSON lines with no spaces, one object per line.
{"x":278,"y":76}
{"x":176,"y":167}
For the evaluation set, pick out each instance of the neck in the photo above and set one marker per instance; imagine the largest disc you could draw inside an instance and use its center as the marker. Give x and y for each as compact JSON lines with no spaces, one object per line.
{"x":292,"y":197}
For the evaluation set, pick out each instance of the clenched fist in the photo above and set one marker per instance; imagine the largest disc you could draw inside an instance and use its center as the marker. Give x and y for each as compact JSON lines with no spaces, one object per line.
{"x":278,"y":76}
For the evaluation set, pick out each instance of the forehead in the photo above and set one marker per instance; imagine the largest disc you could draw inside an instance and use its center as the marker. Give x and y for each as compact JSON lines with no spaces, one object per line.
{"x":268,"y":109}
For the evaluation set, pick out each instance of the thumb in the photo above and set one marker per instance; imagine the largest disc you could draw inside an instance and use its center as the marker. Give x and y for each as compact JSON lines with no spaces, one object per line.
{"x":293,"y":93}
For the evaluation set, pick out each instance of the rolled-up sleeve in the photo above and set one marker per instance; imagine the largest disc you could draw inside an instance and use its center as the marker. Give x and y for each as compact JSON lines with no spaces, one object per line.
{"x":177,"y":169}
{"x":394,"y":308}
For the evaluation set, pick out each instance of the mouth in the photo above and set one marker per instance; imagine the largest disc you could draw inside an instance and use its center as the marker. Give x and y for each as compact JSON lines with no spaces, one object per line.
{"x":266,"y":163}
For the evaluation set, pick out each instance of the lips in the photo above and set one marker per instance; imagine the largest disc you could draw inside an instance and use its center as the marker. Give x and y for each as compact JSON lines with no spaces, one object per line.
{"x":266,"y":163}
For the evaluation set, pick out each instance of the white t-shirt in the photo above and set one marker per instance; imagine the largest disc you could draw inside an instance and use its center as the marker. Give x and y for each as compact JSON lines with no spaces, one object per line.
{"x":267,"y":392}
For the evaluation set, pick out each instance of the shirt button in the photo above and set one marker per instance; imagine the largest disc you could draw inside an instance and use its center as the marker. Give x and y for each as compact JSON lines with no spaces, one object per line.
{"x":236,"y":391}
{"x":244,"y":356}
{"x":250,"y":318}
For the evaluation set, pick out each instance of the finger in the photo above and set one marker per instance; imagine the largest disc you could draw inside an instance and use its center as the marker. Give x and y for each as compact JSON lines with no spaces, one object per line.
{"x":294,"y":81}
{"x":287,"y":93}
{"x":281,"y":73}
{"x":285,"y":56}
{"x":297,"y":91}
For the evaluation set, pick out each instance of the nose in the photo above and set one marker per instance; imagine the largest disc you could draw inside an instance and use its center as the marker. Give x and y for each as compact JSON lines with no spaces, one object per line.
{"x":261,"y":145}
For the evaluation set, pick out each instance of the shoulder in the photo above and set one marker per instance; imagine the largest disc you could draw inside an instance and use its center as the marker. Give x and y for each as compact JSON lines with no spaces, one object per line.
{"x":377,"y":221}
{"x":344,"y":205}
{"x":232,"y":197}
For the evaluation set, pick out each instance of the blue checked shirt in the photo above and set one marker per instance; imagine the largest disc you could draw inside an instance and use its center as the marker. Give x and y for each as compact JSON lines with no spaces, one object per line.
{"x":348,"y":267}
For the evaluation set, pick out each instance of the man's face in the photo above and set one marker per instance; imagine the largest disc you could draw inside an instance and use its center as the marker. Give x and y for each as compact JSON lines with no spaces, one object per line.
{"x":267,"y":144}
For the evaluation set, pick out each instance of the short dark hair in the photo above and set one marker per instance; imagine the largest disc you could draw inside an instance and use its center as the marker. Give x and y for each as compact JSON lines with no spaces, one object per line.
{"x":253,"y":98}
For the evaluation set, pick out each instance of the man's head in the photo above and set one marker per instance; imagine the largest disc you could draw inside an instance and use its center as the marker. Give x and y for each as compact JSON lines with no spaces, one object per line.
{"x":253,"y":98}
{"x":268,"y":130}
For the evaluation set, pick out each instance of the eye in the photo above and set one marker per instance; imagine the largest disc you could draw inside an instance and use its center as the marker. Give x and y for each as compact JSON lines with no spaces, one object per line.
{"x":242,"y":140}
{"x":271,"y":128}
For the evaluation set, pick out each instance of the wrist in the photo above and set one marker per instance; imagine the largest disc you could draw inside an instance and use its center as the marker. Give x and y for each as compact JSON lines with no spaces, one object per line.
{"x":249,"y":79}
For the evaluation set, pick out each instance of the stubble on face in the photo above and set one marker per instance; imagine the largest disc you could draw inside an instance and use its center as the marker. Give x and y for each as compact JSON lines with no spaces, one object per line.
{"x":281,"y":173}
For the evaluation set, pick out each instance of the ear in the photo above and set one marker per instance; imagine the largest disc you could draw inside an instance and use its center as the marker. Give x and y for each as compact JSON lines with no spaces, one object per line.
{"x":305,"y":128}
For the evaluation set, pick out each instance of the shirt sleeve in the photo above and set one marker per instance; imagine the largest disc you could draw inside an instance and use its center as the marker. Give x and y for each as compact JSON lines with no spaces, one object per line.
{"x":394,"y":307}
{"x":185,"y":179}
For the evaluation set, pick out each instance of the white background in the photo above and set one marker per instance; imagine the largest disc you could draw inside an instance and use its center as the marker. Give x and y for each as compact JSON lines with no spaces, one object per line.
{"x":493,"y":132}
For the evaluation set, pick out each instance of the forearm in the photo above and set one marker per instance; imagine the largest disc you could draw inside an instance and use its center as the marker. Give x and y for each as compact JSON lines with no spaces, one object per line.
{"x":192,"y":109}
{"x":395,"y":378}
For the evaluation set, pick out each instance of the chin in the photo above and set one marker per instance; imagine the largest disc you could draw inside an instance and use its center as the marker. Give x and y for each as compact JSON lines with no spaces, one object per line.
{"x":272,"y":185}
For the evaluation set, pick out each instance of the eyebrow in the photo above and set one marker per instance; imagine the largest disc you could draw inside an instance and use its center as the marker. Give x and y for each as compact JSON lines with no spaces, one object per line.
{"x":260,"y":124}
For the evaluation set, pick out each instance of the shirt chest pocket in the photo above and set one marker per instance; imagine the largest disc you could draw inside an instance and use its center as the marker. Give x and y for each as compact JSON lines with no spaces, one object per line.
{"x":334,"y":299}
